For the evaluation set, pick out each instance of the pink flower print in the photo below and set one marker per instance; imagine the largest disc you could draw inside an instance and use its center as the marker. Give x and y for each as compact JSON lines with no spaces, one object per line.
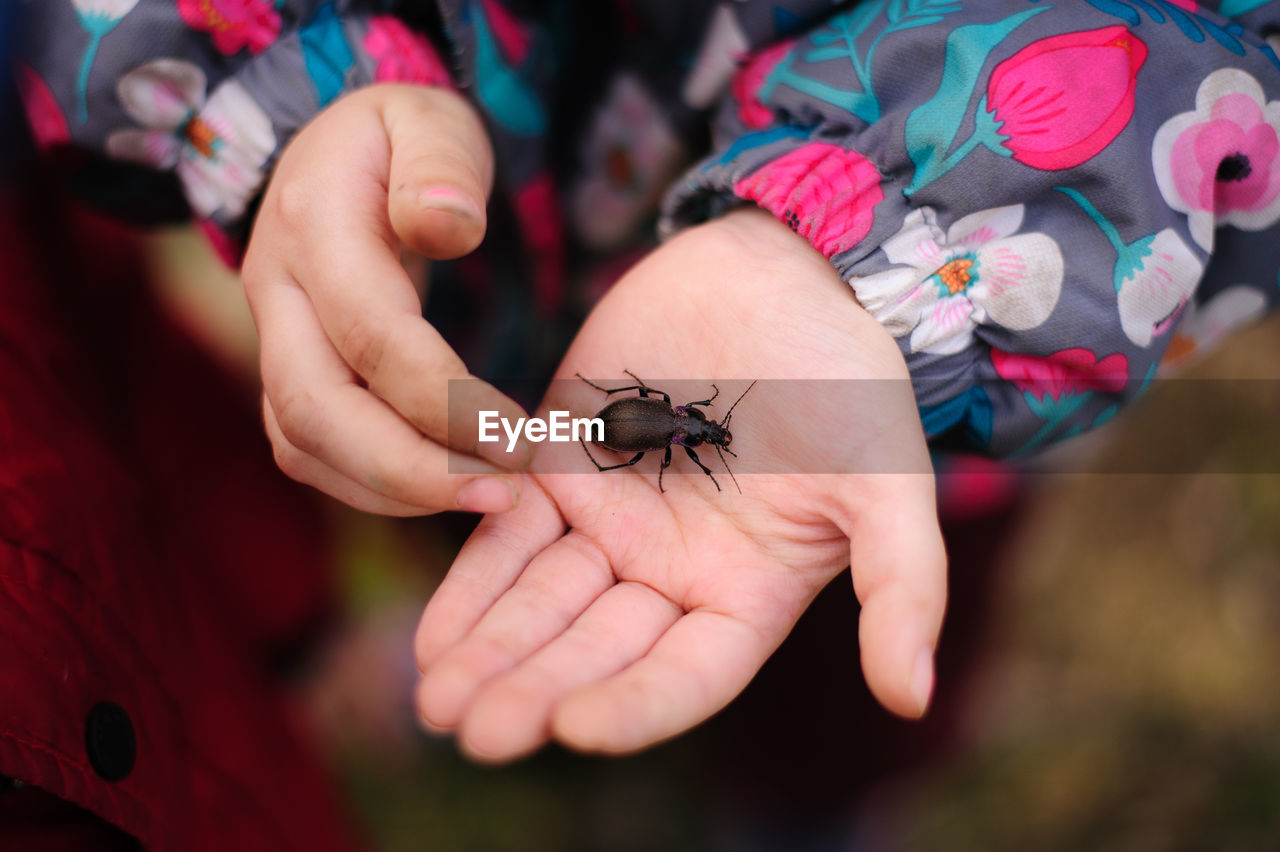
{"x":1062,"y":99}
{"x":1225,"y":146}
{"x":948,"y":284}
{"x":1218,"y":163}
{"x":48,"y":124}
{"x":827,"y":194}
{"x":513,"y":37}
{"x":538,"y":212}
{"x":234,"y":24}
{"x":403,"y":55}
{"x":748,"y":81}
{"x":1069,"y":372}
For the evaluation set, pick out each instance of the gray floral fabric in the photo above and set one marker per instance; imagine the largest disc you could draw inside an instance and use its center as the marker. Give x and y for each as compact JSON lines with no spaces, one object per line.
{"x":1041,"y":201}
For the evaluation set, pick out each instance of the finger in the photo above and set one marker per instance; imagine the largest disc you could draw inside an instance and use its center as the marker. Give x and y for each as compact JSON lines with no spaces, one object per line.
{"x":900,"y":576}
{"x":510,"y":717}
{"x":694,"y":670}
{"x":553,"y":591}
{"x":324,"y":414}
{"x":401,"y":357}
{"x":490,"y":561}
{"x":309,"y":470}
{"x":441,"y":172}
{"x":369,"y":307}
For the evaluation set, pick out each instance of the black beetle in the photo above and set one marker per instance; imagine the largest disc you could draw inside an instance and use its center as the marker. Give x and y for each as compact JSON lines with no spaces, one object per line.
{"x":642,"y":425}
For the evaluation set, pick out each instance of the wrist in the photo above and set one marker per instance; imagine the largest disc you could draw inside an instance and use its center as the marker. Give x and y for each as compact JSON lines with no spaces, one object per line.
{"x":751,"y":258}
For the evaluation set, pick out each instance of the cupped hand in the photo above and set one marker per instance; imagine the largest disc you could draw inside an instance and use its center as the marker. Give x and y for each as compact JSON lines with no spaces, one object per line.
{"x":608,"y":615}
{"x":356,"y":382}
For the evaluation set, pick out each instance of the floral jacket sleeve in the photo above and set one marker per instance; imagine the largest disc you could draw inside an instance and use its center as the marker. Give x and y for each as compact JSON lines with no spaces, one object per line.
{"x":1040,"y":199}
{"x":207,"y":90}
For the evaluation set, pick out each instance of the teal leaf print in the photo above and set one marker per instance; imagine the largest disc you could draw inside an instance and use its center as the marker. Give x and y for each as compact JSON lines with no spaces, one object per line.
{"x":97,"y":18}
{"x":1053,"y":412}
{"x":1231,"y":8}
{"x":326,"y":54}
{"x":931,"y":128}
{"x":1154,"y":276}
{"x":758,"y":140}
{"x":1120,"y":10}
{"x":840,"y":40}
{"x":1192,"y":25}
{"x":972,"y":410}
{"x":506,"y":97}
{"x":785,"y":21}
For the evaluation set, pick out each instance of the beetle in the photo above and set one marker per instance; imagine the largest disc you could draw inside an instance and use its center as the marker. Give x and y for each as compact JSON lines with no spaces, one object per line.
{"x":642,"y":424}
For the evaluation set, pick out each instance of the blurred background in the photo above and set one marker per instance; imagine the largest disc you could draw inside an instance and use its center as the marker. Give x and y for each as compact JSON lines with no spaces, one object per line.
{"x":1107,"y":675}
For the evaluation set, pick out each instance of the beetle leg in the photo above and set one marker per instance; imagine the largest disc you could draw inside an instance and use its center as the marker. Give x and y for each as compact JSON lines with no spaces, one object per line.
{"x":699,"y":463}
{"x":706,"y":401}
{"x":645,"y":389}
{"x":608,"y":467}
{"x":666,"y":463}
{"x":608,"y":390}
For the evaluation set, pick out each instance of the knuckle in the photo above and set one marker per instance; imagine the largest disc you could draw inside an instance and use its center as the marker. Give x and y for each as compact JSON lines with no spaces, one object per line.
{"x":412,"y":482}
{"x":294,"y":203}
{"x":287,"y":459}
{"x":444,"y":164}
{"x":433,"y":420}
{"x":299,"y":415}
{"x":252,"y":272}
{"x":446,"y":105}
{"x":364,"y":346}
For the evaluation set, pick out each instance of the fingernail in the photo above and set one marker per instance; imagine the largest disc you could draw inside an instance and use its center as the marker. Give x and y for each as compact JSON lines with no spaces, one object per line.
{"x":921,"y":684}
{"x":450,"y":201}
{"x":423,"y":721}
{"x":487,"y":494}
{"x":431,"y":728}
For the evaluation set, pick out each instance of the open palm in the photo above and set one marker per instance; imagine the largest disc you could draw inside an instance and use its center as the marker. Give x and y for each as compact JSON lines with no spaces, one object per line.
{"x":609,"y":615}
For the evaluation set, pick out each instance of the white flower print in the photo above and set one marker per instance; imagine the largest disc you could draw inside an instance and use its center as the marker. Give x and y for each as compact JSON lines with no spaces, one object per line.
{"x":1155,"y":279}
{"x":979,"y":270}
{"x":112,"y":10}
{"x":217,"y":146}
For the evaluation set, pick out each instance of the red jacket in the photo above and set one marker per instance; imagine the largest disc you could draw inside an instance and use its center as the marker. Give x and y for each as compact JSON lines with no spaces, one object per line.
{"x":153,"y":564}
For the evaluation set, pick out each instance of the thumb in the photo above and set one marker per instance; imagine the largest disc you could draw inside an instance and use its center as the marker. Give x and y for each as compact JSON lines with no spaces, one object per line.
{"x":441,"y":172}
{"x":900,"y":577}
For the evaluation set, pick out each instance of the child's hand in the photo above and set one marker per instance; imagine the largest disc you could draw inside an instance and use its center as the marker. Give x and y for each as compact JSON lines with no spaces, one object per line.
{"x":356,"y":382}
{"x":609,"y":616}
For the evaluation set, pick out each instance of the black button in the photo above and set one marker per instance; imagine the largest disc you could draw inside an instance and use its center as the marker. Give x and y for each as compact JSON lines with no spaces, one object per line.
{"x":110,"y":741}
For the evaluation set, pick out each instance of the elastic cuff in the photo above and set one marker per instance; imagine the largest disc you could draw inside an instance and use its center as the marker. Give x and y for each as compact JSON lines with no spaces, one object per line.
{"x":953,"y":297}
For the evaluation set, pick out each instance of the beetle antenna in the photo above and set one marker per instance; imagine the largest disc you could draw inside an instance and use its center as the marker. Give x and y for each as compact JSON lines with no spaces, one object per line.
{"x":726,"y":464}
{"x":725,"y":422}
